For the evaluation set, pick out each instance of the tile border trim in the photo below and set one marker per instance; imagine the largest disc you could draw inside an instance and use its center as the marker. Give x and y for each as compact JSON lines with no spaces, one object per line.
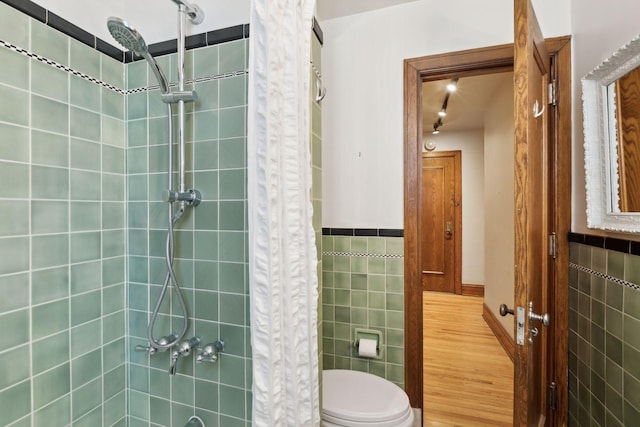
{"x":604,"y":242}
{"x":363,"y":232}
{"x":360,"y":254}
{"x":604,"y":276}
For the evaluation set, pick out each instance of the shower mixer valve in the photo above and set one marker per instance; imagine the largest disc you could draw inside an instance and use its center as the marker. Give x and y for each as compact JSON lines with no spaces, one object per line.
{"x":210,"y":352}
{"x":192,"y":197}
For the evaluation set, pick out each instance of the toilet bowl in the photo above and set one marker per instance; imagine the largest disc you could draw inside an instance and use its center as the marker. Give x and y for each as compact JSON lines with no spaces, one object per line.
{"x":359,"y":399}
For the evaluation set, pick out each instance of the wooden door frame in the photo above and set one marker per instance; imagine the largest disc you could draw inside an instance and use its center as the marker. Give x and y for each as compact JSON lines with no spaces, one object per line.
{"x":457,"y":212}
{"x":468,"y":63}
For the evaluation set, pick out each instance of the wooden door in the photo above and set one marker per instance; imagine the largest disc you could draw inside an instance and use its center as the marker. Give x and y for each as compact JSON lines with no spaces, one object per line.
{"x":532,"y":219}
{"x":441,"y":228}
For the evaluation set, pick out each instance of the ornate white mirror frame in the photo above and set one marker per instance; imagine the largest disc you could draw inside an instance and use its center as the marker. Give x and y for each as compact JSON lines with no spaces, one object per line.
{"x":600,"y":141}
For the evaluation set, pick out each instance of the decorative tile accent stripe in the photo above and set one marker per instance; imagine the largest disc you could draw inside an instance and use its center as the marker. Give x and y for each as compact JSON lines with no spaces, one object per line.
{"x":604,"y":276}
{"x":359,"y":254}
{"x":109,"y":86}
{"x":25,"y":52}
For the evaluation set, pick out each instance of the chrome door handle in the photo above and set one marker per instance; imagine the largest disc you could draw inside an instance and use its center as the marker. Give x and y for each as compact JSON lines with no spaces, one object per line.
{"x":544,"y":318}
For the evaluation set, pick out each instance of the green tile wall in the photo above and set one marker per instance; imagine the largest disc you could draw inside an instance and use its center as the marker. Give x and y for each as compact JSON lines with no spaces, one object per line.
{"x":363,"y":287}
{"x":211,"y":249}
{"x":62,"y":361}
{"x":604,"y":338}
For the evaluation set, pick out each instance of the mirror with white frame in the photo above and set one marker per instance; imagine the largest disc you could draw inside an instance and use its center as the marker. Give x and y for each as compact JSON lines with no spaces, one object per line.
{"x":611,"y":104}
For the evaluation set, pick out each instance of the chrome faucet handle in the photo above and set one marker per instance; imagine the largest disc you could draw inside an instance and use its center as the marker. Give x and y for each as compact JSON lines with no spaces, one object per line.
{"x":210,"y":352}
{"x":185,"y":347}
{"x":175,"y":355}
{"x":148,"y":349}
{"x":165,"y":340}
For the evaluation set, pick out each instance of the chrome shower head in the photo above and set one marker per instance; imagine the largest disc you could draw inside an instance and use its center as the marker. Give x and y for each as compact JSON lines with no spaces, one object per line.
{"x":132,"y":40}
{"x":127,"y":36}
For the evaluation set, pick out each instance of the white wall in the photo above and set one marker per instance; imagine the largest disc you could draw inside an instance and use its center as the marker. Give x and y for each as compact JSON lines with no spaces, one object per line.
{"x":155,"y":19}
{"x":599,"y":29}
{"x":499,"y":203}
{"x":363,"y":111}
{"x":471,"y":143}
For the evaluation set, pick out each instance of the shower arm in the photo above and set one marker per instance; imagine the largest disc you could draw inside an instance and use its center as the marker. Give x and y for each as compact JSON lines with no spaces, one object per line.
{"x":193,"y":11}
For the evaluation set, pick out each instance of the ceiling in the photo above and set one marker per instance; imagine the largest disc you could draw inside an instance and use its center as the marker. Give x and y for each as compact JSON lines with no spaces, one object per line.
{"x":466,"y":106}
{"x":329,"y":9}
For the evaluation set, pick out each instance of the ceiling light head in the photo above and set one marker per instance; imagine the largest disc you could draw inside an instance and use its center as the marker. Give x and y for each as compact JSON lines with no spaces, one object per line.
{"x":452,"y":85}
{"x":442,"y":112}
{"x":435,"y":129}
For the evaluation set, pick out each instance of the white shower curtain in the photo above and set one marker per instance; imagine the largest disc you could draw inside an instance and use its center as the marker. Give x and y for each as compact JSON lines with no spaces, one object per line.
{"x":282,"y":251}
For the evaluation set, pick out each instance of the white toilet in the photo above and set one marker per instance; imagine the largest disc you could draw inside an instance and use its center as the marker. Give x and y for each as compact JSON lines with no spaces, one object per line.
{"x":359,"y":399}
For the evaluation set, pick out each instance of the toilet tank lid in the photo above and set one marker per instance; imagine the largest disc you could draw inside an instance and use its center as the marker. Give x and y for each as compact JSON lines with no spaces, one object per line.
{"x":360,"y":396}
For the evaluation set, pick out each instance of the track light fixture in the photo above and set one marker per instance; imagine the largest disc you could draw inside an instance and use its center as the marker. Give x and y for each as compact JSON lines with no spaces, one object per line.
{"x":451,"y":87}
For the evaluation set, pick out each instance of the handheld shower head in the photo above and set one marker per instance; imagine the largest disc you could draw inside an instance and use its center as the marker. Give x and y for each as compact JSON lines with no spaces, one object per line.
{"x":132,"y":40}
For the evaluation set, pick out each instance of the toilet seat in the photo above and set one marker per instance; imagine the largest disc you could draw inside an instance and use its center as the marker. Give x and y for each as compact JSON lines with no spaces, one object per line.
{"x":355,"y":399}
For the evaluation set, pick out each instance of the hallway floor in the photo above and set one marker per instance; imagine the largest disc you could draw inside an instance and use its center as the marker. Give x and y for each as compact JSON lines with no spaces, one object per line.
{"x":468,"y":377}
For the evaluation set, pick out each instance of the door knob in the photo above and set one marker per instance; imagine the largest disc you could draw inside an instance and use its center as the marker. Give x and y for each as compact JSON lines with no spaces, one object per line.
{"x":504,"y":310}
{"x":544,"y":318}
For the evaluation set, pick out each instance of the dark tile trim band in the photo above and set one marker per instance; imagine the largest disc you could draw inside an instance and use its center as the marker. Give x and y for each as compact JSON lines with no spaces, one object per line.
{"x":610,"y":243}
{"x":360,"y":254}
{"x":109,"y":86}
{"x":368,"y":232}
{"x":49,"y":18}
{"x":604,"y":276}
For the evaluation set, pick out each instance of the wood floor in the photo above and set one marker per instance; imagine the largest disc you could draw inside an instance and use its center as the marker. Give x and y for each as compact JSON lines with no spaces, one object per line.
{"x":468,"y":377}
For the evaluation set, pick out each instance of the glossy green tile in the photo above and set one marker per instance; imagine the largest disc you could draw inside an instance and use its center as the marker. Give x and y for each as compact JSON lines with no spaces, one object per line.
{"x":85,"y":124}
{"x":86,"y":368}
{"x":85,"y":307}
{"x":15,"y":69}
{"x":137,"y":132}
{"x":232,"y":246}
{"x":614,"y":295}
{"x":16,"y":285}
{"x":615,"y":264}
{"x":85,"y":277}
{"x":15,"y":106}
{"x":84,"y":155}
{"x":207,"y":59}
{"x":85,"y":185}
{"x":113,"y":355}
{"x":60,"y":410}
{"x":158,"y":132}
{"x":51,"y":385}
{"x":50,"y":318}
{"x":49,"y":81}
{"x":232,"y":56}
{"x":232,"y":215}
{"x":206,"y":125}
{"x":50,"y":284}
{"x":85,"y":246}
{"x":632,"y":302}
{"x":136,"y":73}
{"x":50,"y":351}
{"x":232,"y":122}
{"x":113,"y":188}
{"x":208,"y":95}
{"x":232,"y":401}
{"x":137,"y":160}
{"x":136,"y":105}
{"x":49,"y":216}
{"x":113,"y":327}
{"x":84,"y":58}
{"x":85,"y":338}
{"x":113,"y":159}
{"x":49,"y":43}
{"x":14,"y":221}
{"x":86,"y":398}
{"x":49,"y":149}
{"x":113,"y":131}
{"x":631,"y":331}
{"x":49,"y":115}
{"x":15,"y":402}
{"x":233,"y":92}
{"x":113,"y":243}
{"x":112,"y":215}
{"x":232,"y":308}
{"x":85,"y":216}
{"x":49,"y":183}
{"x":14,"y":366}
{"x":49,"y":250}
{"x":113,"y":104}
{"x":158,"y":155}
{"x":113,"y":71}
{"x":206,"y":245}
{"x":206,"y":305}
{"x":14,"y":143}
{"x":14,"y":26}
